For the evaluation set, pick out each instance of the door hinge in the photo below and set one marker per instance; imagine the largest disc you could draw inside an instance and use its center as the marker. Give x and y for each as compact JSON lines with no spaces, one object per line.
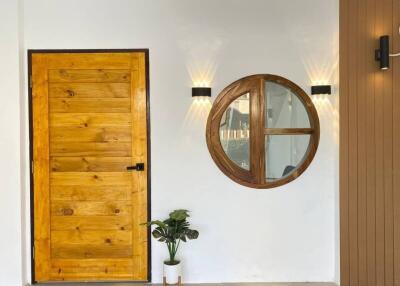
{"x":30,"y":81}
{"x":32,"y":165}
{"x":33,"y":253}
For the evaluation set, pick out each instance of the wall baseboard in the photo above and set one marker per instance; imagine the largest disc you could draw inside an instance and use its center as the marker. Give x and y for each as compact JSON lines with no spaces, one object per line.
{"x":193,"y":284}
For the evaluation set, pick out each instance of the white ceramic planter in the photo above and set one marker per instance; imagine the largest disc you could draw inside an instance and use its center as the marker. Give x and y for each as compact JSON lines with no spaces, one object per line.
{"x":172,"y":273}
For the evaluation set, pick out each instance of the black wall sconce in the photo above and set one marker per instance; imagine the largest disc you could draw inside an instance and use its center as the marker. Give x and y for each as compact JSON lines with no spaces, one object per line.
{"x":382,"y":54}
{"x":201,"y":91}
{"x":321,"y":89}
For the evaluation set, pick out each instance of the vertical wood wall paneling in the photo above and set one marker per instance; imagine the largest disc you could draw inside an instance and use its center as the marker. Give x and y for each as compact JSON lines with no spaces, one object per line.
{"x":379,"y":188}
{"x":388,"y":147}
{"x":344,"y":142}
{"x":370,"y":142}
{"x":361,"y":143}
{"x":370,"y":45}
{"x":396,"y":143}
{"x":353,"y":147}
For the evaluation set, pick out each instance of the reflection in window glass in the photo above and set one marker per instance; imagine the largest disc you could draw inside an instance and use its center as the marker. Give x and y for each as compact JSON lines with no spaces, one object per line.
{"x":284,"y":108}
{"x":235,"y":131}
{"x":283,"y":154}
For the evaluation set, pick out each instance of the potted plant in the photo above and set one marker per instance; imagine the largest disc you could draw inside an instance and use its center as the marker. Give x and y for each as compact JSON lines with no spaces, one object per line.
{"x":172,"y":231}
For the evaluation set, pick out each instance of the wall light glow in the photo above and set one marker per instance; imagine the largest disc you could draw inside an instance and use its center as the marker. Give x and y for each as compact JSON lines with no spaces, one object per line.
{"x":321,"y":66}
{"x":321,"y":73}
{"x":197,"y":114}
{"x":202,"y":74}
{"x":328,"y":113}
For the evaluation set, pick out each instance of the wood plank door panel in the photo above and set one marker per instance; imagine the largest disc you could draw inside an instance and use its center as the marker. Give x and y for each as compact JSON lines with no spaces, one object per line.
{"x":89,"y":122}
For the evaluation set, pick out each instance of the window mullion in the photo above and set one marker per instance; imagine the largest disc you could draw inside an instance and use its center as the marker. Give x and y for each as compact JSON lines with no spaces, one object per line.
{"x":261,"y":130}
{"x":288,"y":131}
{"x":257,"y":136}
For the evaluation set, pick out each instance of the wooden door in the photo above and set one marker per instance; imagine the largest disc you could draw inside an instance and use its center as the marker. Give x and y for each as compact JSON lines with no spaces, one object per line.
{"x":369,"y":145}
{"x":89,"y":123}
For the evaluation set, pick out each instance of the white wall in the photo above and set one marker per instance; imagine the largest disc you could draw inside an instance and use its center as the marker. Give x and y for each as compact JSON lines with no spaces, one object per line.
{"x":285,"y":234}
{"x":10,"y":187}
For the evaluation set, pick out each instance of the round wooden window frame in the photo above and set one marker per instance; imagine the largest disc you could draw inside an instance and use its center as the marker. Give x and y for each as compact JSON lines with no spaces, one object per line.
{"x":255,"y":176}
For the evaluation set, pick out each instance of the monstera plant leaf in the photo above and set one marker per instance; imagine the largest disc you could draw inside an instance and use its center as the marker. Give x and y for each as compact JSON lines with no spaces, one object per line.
{"x":159,"y":223}
{"x":179,"y":214}
{"x":192,"y":234}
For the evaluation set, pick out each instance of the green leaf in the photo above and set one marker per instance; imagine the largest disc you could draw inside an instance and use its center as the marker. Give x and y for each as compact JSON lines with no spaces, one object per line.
{"x":158,"y":232}
{"x":192,"y":234}
{"x":158,"y":223}
{"x":179,"y":214}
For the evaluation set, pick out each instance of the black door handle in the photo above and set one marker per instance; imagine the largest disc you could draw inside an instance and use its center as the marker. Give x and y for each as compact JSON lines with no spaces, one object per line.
{"x":137,"y":167}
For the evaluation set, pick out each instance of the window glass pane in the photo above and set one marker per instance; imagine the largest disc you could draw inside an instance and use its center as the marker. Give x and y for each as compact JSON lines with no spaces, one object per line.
{"x":283,"y":108}
{"x":283,"y":154}
{"x":235,"y":131}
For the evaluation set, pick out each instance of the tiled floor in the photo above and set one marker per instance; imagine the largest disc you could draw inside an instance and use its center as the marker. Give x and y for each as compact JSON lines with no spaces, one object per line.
{"x":205,"y":284}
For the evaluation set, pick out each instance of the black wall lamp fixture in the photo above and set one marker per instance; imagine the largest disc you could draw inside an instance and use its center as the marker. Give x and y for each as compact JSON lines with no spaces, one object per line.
{"x":201,"y":91}
{"x":382,"y":54}
{"x":321,"y":89}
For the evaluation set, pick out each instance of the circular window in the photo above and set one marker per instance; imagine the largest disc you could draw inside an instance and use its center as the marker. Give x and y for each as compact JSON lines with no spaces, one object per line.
{"x":263,"y":131}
